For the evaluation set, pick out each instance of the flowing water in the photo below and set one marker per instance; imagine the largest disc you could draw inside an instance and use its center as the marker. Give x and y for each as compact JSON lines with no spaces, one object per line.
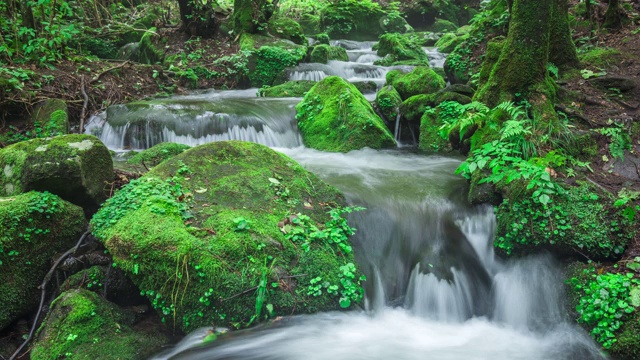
{"x":435,"y":289}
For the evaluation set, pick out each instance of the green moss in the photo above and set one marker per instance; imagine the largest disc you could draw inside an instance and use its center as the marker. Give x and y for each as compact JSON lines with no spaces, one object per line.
{"x":268,"y":58}
{"x":334,"y":116}
{"x":74,"y":167}
{"x":148,"y":53}
{"x":310,"y":24}
{"x":365,"y":87}
{"x":583,"y":220}
{"x":628,"y":345}
{"x":35,"y":227}
{"x":101,"y":48}
{"x":601,"y":57}
{"x":287,"y":29}
{"x":449,"y":41}
{"x":251,"y":16}
{"x":584,"y":147}
{"x":443,"y":26}
{"x":422,"y":80}
{"x":393,"y":75}
{"x":323,"y":53}
{"x":200,"y":232}
{"x":413,"y":108}
{"x":388,"y":101}
{"x":395,"y":23}
{"x":157,"y":154}
{"x":82,"y":325}
{"x":52,"y":116}
{"x":397,"y":48}
{"x":323,"y":38}
{"x":352,"y":19}
{"x":289,"y":89}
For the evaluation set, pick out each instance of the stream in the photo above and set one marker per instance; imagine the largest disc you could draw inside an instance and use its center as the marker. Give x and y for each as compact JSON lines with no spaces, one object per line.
{"x":434,"y":289}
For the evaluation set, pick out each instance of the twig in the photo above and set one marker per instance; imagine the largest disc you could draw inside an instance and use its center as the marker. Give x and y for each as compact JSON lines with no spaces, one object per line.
{"x":43,"y":293}
{"x":239,"y":294}
{"x":84,"y":104}
{"x":98,"y":76}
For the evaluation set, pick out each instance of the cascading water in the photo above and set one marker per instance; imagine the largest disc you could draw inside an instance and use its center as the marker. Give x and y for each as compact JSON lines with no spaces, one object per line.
{"x":434,"y":289}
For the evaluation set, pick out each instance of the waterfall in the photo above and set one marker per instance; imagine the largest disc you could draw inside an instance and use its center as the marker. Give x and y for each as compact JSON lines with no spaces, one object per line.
{"x":435,"y":288}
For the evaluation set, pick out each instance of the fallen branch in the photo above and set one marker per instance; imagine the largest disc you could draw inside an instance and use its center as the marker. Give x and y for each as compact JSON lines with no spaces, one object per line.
{"x":99,"y":75}
{"x":43,"y":293}
{"x":84,"y":104}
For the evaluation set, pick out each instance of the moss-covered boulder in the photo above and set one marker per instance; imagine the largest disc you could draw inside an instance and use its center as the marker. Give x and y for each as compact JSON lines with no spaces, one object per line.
{"x":422,"y":80}
{"x":366,"y":87}
{"x":443,"y":26}
{"x":287,"y":29}
{"x":395,"y":23}
{"x":52,"y":116}
{"x":413,"y":108}
{"x":388,"y":102}
{"x":323,"y":53}
{"x":295,"y":88}
{"x":582,"y":221}
{"x":310,"y":24}
{"x":225,"y":233}
{"x":449,"y":41}
{"x":83,"y":325}
{"x":74,"y":167}
{"x":424,"y":38}
{"x":334,"y":116}
{"x":157,"y":154}
{"x":396,"y":47}
{"x":268,"y":57}
{"x":352,"y":19}
{"x":322,"y":38}
{"x":35,"y":227}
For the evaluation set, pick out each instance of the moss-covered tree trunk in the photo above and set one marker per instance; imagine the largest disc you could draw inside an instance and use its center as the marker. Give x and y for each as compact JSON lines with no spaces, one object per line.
{"x":613,"y":17}
{"x":197,"y":17}
{"x":251,"y":16}
{"x":522,"y":65}
{"x":562,"y":51}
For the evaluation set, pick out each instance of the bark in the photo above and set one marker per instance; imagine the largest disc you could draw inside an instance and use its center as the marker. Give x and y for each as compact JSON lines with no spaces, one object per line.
{"x":613,"y":17}
{"x":251,"y":16}
{"x":562,"y":51}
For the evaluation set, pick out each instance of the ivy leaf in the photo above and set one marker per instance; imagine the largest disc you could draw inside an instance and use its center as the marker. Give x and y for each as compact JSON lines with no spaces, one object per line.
{"x":544,"y":199}
{"x":634,"y":296}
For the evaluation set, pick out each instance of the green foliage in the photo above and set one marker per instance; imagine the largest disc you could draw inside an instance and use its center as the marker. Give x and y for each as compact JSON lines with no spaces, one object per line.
{"x":625,"y":198}
{"x":272,"y":60}
{"x":605,"y":302}
{"x":157,"y":154}
{"x":620,"y":141}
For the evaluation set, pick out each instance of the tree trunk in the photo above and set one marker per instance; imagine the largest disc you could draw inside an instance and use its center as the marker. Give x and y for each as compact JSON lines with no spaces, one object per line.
{"x":562,"y":51}
{"x":522,"y":66}
{"x":197,"y":18}
{"x":251,"y":16}
{"x":613,"y":17}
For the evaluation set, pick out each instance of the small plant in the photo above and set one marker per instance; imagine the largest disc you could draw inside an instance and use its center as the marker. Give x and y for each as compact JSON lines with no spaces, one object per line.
{"x":620,"y":141}
{"x":588,"y":74}
{"x":241,"y":224}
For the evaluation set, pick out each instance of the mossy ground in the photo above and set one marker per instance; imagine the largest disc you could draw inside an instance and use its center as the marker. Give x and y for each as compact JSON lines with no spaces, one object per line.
{"x":334,"y":116}
{"x":200,"y":233}
{"x":82,"y":325}
{"x":35,"y":226}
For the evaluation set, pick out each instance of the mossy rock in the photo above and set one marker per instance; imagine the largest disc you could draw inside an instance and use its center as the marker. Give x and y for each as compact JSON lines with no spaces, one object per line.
{"x":422,"y":80}
{"x":388,"y":102}
{"x":104,"y":49}
{"x":335,"y":116}
{"x":464,"y":30}
{"x":352,"y":19}
{"x":628,"y":345}
{"x":323,"y":38}
{"x":35,"y":227}
{"x":443,"y":26}
{"x":580,"y":223}
{"x":288,"y":29}
{"x":295,"y":88}
{"x":430,"y":138}
{"x":74,"y":167}
{"x":413,"y":108}
{"x":424,"y":38}
{"x":82,"y":325}
{"x":601,"y":57}
{"x":398,"y":48}
{"x":148,"y":53}
{"x":449,"y":41}
{"x":324,"y":53}
{"x":52,"y":116}
{"x":395,"y":24}
{"x":157,"y":154}
{"x":269,"y":57}
{"x":202,"y":236}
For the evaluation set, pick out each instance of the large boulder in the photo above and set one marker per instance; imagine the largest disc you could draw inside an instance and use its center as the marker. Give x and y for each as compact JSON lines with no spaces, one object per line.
{"x":83,"y":325}
{"x":396,"y":47}
{"x":35,"y":227}
{"x":74,"y":167}
{"x":353,"y":20}
{"x":287,"y":29}
{"x":335,"y":116}
{"x":388,"y":102}
{"x":422,"y":80}
{"x":324,"y":53}
{"x":226,"y":233}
